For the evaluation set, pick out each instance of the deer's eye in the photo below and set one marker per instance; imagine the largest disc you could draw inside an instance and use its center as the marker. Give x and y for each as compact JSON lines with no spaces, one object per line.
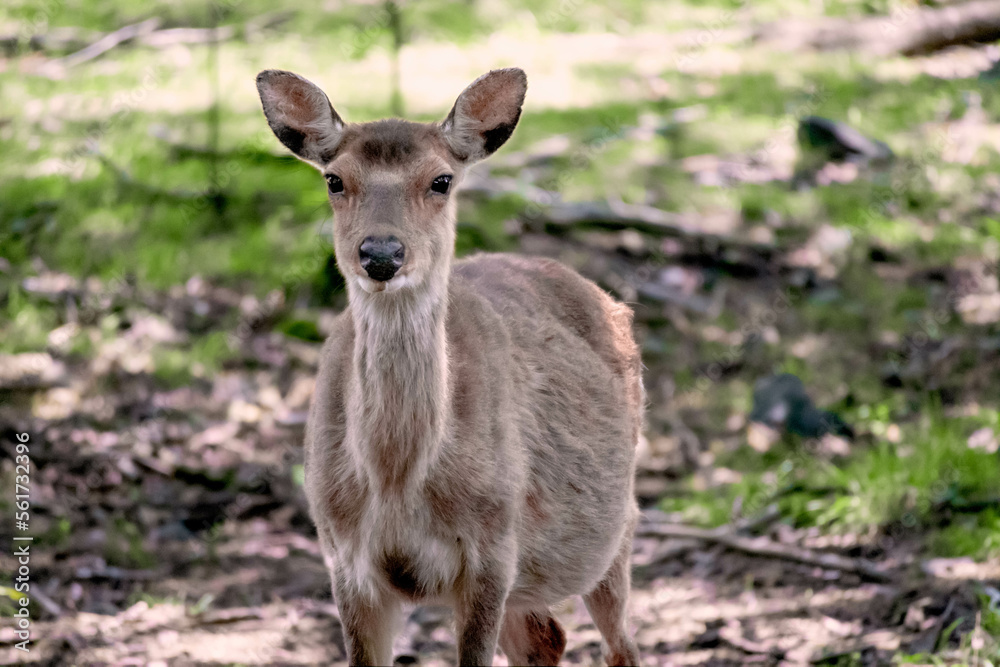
{"x":441,"y":184}
{"x":334,"y":183}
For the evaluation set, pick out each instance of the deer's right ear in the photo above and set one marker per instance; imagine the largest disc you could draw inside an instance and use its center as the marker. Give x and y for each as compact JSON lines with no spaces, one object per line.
{"x":300,"y":115}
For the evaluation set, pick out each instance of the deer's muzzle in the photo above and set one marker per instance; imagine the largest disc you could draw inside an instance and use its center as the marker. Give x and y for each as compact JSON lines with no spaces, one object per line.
{"x":381,"y":257}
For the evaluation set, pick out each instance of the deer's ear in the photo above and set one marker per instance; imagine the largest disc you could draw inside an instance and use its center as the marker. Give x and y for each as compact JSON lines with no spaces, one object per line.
{"x":300,"y":115}
{"x":485,"y":114}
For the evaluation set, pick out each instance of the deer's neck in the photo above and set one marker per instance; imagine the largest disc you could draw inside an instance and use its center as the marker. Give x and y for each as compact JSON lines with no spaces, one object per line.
{"x":399,"y":406}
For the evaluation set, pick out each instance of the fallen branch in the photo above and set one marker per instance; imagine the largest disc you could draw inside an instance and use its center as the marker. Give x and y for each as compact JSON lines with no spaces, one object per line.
{"x":559,"y":216}
{"x":656,"y":522}
{"x":699,"y":246}
{"x":546,"y":212}
{"x":172,"y":36}
{"x":675,"y":547}
{"x":618,"y":216}
{"x":56,"y":39}
{"x":751,"y":524}
{"x":88,"y":45}
{"x":106,"y":43}
{"x":116,"y":574}
{"x":233,"y":615}
{"x":255,"y":26}
{"x":46,"y":603}
{"x":763,"y":546}
{"x":908,"y":32}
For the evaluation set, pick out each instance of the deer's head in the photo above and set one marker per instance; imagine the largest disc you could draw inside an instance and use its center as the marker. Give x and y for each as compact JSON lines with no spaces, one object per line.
{"x":391,"y":182}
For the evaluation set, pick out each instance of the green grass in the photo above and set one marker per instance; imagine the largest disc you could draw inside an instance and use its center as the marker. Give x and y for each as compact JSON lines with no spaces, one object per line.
{"x":203,"y":357}
{"x":124,"y":547}
{"x":975,"y":535}
{"x":27,"y":325}
{"x":885,"y":483}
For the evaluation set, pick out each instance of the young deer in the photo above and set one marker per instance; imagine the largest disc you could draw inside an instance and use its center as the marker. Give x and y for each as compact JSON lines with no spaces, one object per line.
{"x":472,"y":436}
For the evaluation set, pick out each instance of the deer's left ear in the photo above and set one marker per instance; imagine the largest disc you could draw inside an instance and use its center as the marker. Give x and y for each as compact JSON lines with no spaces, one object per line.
{"x":485,"y":114}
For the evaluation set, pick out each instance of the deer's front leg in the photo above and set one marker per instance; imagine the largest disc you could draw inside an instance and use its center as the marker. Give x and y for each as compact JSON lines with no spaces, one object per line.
{"x":479,"y":614}
{"x":369,"y":624}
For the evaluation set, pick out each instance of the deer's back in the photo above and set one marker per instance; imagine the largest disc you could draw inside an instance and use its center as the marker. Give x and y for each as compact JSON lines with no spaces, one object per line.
{"x":536,"y":293}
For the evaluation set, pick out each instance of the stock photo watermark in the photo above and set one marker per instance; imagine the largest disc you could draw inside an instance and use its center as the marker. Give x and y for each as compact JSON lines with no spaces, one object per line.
{"x":22,"y":541}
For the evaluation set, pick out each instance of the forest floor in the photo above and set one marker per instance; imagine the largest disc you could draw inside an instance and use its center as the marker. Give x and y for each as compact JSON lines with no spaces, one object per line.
{"x":159,"y":337}
{"x":182,"y":537}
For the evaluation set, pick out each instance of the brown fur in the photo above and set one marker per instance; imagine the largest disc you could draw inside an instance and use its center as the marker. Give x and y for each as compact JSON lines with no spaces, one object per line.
{"x":472,"y":436}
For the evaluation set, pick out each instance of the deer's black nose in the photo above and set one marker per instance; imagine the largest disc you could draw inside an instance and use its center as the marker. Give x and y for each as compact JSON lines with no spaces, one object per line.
{"x":381,"y":256}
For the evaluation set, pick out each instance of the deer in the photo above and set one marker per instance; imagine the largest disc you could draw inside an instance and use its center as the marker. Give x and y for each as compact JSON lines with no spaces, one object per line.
{"x":472,"y":433}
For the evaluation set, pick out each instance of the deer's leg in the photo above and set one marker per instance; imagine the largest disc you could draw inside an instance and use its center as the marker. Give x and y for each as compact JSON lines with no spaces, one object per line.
{"x":369,"y":624}
{"x":608,"y":603}
{"x":479,"y":614}
{"x":532,"y":637}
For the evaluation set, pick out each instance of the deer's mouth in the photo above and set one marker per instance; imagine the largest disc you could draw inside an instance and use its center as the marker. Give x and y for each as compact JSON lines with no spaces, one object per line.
{"x":398,"y":282}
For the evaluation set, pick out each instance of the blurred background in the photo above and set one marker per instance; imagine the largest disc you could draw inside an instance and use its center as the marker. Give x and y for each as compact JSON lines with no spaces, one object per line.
{"x":799,"y":198}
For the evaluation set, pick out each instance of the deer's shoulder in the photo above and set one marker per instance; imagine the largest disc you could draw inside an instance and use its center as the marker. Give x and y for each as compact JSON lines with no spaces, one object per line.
{"x":532,"y":282}
{"x":334,"y":368}
{"x":339,"y":346}
{"x":535,"y":295}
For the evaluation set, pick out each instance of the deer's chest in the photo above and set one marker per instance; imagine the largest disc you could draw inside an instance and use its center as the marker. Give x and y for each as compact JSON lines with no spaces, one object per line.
{"x":398,"y":550}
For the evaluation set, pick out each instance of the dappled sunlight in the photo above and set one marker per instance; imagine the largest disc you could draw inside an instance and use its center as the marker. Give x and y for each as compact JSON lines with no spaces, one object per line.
{"x":803,"y":219}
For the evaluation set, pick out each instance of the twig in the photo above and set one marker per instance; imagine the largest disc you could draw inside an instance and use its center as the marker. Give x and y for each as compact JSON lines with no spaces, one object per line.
{"x":654,"y":521}
{"x":47,"y":603}
{"x":56,"y":39}
{"x":86,"y":42}
{"x":752,"y":524}
{"x":117,"y":574}
{"x":220,"y":616}
{"x":690,"y":444}
{"x":930,"y":639}
{"x":103,"y":45}
{"x":762,"y":546}
{"x":676,"y":547}
{"x":172,"y":36}
{"x":610,"y":215}
{"x":567,"y":217}
{"x":617,"y":216}
{"x":560,"y":218}
{"x":259,"y":24}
